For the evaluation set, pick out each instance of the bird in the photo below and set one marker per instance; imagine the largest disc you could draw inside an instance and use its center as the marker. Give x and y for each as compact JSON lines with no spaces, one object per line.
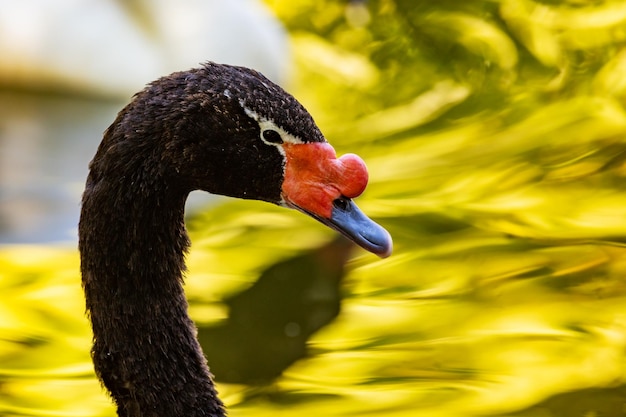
{"x":219,"y":128}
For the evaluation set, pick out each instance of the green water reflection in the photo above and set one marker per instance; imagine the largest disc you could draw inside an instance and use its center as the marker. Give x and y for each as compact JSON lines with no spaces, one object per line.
{"x":495,"y":137}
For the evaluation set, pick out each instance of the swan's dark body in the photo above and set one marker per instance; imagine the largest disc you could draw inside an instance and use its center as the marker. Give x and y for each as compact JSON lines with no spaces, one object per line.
{"x":190,"y":130}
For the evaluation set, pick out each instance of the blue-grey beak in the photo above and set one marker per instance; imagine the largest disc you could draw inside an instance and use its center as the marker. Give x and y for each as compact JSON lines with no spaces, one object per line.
{"x":350,"y":221}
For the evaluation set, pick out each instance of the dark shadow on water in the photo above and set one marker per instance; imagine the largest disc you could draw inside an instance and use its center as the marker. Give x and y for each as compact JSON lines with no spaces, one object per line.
{"x":270,"y":322}
{"x":592,"y":402}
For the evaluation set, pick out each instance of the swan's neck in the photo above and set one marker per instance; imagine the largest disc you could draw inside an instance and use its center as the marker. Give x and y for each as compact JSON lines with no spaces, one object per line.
{"x":132,"y":242}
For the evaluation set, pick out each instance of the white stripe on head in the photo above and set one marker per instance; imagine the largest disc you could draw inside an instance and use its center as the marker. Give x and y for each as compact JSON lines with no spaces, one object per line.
{"x":267,"y":124}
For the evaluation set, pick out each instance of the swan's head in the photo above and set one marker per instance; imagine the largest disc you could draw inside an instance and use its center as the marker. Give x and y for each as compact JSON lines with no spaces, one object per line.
{"x":236,"y":133}
{"x":315,"y":181}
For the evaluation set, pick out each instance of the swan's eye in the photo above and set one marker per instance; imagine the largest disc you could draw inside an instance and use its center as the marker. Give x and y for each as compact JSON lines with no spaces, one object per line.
{"x":272,"y":136}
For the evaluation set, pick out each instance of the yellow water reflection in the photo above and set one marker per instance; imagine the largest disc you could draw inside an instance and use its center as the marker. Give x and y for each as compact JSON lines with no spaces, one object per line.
{"x":465,"y":327}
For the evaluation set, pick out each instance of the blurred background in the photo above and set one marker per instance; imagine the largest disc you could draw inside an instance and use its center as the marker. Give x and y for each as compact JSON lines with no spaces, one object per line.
{"x":68,"y":66}
{"x":495,"y":136}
